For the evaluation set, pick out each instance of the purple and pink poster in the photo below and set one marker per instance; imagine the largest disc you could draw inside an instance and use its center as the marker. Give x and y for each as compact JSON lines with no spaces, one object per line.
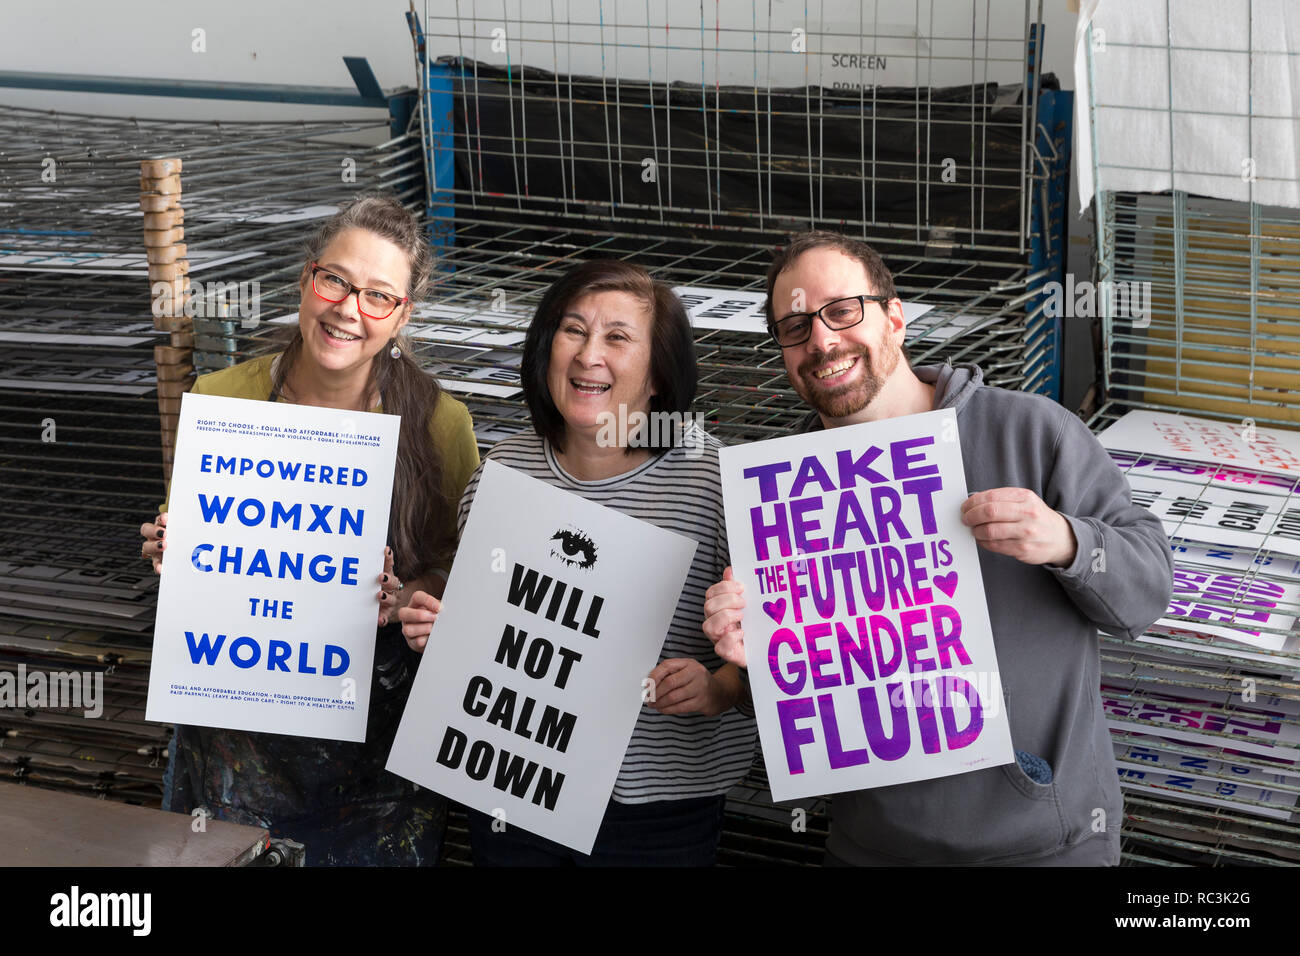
{"x":870,"y":654}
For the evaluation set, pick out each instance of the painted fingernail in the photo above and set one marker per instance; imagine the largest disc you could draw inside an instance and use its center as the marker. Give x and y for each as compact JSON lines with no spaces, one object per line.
{"x":161,"y":532}
{"x":385,"y":577}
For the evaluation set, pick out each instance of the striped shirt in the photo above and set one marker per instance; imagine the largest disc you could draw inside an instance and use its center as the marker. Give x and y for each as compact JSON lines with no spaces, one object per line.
{"x":669,"y":757}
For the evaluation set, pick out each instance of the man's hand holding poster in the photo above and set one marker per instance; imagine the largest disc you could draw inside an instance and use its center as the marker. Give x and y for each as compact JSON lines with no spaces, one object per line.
{"x":278,"y":517}
{"x":532,"y":677}
{"x":871,"y":658}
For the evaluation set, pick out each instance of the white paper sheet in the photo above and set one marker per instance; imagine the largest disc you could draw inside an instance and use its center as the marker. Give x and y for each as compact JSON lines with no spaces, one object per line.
{"x":530,"y":684}
{"x":229,"y":650}
{"x":821,"y":709}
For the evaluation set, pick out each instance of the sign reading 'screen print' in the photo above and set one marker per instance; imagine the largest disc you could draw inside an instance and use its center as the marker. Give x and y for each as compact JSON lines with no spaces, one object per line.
{"x":870,"y":653}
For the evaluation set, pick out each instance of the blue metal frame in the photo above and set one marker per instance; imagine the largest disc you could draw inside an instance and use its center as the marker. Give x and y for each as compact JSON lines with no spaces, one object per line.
{"x":1050,"y":164}
{"x":1048,"y":231}
{"x":437,"y":140}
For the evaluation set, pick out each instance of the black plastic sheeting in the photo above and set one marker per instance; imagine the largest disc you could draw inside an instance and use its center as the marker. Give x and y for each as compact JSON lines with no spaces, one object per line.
{"x":524,"y":160}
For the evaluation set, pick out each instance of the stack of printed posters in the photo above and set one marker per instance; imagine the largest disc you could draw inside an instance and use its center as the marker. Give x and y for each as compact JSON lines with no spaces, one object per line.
{"x":1198,"y":708}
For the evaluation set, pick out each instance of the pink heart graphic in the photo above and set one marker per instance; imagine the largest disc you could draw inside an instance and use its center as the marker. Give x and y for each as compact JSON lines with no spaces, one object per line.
{"x":947,"y":583}
{"x":775,"y":609}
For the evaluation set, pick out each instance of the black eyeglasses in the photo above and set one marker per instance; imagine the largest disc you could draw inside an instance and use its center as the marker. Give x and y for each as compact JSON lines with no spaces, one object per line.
{"x":796,"y":329}
{"x":371,"y":303}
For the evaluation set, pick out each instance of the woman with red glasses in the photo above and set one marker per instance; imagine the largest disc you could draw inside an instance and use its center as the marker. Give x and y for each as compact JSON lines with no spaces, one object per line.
{"x":364,"y":268}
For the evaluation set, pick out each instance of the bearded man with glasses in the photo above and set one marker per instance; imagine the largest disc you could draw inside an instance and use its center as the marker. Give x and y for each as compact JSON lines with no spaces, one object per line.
{"x":1045,"y":501}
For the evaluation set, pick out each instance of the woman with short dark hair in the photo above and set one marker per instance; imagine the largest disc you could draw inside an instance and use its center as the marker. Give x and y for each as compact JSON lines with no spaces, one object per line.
{"x":609,"y":354}
{"x":672,"y":347}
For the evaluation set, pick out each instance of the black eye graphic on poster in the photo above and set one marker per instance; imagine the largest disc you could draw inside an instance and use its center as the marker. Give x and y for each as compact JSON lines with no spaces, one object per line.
{"x":573,"y":546}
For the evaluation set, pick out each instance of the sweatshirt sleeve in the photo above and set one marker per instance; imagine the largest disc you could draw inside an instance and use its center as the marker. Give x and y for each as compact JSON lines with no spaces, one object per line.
{"x":1122,"y":574}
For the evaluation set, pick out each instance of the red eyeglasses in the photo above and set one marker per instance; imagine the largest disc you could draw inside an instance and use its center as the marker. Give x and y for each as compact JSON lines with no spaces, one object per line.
{"x":371,"y":303}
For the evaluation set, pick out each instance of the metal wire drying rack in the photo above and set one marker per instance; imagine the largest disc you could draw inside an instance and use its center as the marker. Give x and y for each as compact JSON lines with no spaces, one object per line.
{"x":532,"y":167}
{"x":694,"y":147}
{"x":81,"y":465}
{"x":729,"y":183}
{"x":1219,"y":719}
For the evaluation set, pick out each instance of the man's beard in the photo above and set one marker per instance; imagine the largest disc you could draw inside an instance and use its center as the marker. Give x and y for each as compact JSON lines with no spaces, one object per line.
{"x":852,"y":397}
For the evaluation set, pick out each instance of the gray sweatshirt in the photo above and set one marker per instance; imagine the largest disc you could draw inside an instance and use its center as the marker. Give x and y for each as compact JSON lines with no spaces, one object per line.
{"x":1045,"y":623}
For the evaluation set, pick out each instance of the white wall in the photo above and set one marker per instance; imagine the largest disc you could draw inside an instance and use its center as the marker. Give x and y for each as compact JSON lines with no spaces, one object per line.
{"x":303,"y":42}
{"x":273,"y":41}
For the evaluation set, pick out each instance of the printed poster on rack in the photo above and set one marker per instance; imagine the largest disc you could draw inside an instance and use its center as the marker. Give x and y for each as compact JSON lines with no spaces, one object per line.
{"x":531,"y":681}
{"x":1244,"y":444}
{"x":871,"y":658}
{"x":1246,"y":596}
{"x":267,"y":603}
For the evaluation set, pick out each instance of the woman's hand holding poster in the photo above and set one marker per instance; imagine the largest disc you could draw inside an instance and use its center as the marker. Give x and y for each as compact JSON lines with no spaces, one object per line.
{"x":532,"y":678}
{"x":871,"y":658}
{"x":275,"y":542}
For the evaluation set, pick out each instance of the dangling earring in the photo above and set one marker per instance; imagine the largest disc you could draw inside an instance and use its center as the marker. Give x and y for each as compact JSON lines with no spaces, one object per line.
{"x":395,"y":352}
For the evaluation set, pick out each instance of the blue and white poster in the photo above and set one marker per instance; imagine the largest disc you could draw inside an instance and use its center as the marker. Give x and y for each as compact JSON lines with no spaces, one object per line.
{"x":275,"y":543}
